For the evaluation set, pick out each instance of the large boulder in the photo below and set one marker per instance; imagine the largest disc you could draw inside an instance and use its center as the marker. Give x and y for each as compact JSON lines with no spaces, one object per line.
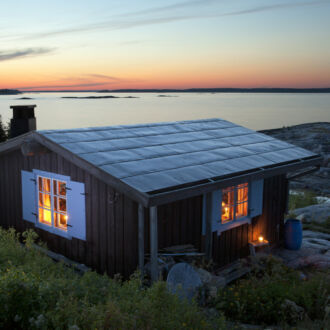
{"x":314,"y":213}
{"x":184,"y":281}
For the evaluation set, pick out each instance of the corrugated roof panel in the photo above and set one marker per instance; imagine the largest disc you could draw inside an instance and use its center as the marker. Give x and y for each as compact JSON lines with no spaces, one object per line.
{"x":157,"y":156}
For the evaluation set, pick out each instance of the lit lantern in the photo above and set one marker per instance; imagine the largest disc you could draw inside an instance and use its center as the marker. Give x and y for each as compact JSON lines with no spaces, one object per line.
{"x":260,"y":239}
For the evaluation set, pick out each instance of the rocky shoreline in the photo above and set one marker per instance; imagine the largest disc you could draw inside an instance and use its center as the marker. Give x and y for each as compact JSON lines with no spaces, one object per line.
{"x":314,"y":137}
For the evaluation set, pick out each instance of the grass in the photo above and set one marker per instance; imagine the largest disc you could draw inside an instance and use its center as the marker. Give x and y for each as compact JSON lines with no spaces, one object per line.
{"x":37,"y":293}
{"x":302,"y":199}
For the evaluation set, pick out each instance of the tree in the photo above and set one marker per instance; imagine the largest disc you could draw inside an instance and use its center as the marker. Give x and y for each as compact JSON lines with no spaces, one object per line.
{"x":3,"y":131}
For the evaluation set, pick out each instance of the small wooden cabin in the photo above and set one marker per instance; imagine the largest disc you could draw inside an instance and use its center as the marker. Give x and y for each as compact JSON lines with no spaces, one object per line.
{"x":107,"y":196}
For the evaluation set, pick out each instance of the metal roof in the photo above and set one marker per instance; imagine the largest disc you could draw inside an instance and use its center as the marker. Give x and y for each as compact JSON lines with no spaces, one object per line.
{"x":153,"y":157}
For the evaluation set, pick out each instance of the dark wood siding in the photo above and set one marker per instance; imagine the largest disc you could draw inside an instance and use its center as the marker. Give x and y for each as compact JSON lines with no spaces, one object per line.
{"x":111,"y":218}
{"x":181,"y":223}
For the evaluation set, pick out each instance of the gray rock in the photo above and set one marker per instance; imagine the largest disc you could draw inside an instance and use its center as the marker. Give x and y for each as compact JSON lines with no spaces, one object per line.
{"x":293,"y":312}
{"x":317,"y":213}
{"x":184,"y":281}
{"x":205,"y":276}
{"x":314,"y":137}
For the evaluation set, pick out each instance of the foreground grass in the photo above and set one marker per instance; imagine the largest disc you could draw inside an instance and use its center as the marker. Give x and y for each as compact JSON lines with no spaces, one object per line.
{"x":36,"y":293}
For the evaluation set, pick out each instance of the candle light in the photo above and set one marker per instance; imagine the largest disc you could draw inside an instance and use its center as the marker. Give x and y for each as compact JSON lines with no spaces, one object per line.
{"x":260,"y":239}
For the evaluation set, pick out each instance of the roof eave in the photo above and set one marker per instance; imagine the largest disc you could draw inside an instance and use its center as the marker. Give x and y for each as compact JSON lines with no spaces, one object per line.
{"x":14,"y":143}
{"x":260,"y":173}
{"x":116,"y":183}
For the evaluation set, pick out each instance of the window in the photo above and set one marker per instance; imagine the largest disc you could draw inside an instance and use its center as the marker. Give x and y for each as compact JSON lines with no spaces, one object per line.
{"x":234,"y":206}
{"x":52,"y":202}
{"x":234,"y":203}
{"x":55,"y":203}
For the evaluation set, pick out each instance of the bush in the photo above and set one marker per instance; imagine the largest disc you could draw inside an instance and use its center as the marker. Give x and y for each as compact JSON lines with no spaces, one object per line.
{"x":37,"y":293}
{"x":302,"y":199}
{"x":3,"y":131}
{"x":263,"y":297}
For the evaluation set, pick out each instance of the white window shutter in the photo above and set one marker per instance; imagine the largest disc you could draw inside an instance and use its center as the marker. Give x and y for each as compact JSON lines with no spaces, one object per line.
{"x":29,"y":196}
{"x":76,"y":210}
{"x":215,"y":211}
{"x":256,"y":198}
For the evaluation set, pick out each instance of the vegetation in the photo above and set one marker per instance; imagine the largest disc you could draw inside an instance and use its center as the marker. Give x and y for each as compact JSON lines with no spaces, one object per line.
{"x":3,"y":131}
{"x":275,"y":294}
{"x":37,"y":293}
{"x":302,"y":199}
{"x":323,"y":227}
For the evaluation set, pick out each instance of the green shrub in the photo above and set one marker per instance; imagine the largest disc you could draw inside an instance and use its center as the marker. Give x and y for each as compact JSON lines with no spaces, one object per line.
{"x":302,"y":199}
{"x":37,"y":293}
{"x":260,"y":298}
{"x":3,"y":131}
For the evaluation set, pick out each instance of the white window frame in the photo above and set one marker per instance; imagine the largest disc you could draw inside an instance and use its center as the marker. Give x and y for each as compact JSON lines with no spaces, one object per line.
{"x":52,"y":176}
{"x":216,"y":204}
{"x":236,"y":221}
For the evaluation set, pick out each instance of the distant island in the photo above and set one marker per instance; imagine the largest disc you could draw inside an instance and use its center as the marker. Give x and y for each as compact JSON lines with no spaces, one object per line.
{"x":99,"y":97}
{"x":9,"y":92}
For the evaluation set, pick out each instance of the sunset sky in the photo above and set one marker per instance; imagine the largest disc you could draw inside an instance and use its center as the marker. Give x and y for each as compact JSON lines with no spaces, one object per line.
{"x":113,"y":44}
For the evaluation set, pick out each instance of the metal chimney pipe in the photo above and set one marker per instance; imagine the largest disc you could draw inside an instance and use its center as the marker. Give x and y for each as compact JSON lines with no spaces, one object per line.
{"x":23,"y":120}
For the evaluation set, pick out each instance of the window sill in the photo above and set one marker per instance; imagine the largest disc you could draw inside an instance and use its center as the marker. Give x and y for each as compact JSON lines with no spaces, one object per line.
{"x":53,"y":230}
{"x":233,"y":224}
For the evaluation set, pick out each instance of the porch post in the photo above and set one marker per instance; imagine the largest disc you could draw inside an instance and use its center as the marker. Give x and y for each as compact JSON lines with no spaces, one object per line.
{"x":153,"y":243}
{"x":141,"y":239}
{"x":208,"y":225}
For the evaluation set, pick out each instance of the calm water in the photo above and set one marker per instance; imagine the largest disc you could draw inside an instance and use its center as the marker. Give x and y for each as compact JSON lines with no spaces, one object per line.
{"x":256,"y":111}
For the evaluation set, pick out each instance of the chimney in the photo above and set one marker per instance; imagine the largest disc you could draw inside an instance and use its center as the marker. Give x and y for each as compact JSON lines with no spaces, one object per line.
{"x":23,"y":120}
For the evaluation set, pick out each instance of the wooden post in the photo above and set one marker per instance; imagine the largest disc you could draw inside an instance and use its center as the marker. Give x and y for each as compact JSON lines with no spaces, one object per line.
{"x":141,"y":239}
{"x":153,"y":243}
{"x":208,"y":226}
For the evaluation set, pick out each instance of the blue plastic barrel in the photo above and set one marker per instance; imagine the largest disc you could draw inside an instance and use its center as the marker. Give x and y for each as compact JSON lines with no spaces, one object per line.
{"x":293,"y":234}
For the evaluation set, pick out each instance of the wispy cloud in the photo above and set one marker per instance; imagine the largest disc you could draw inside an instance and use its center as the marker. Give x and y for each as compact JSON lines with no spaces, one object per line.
{"x":168,"y":14}
{"x":28,"y":52}
{"x":175,"y":6}
{"x":104,"y":77}
{"x":51,"y":86}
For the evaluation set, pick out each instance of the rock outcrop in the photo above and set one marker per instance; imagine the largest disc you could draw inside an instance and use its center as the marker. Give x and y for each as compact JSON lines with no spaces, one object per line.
{"x":314,"y":137}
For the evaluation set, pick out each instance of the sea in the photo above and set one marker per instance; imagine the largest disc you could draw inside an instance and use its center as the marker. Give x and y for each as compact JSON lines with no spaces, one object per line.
{"x":257,"y":111}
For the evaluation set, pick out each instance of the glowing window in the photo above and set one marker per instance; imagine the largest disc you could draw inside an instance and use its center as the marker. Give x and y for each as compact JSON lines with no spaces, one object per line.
{"x":234,"y":203}
{"x":52,"y":202}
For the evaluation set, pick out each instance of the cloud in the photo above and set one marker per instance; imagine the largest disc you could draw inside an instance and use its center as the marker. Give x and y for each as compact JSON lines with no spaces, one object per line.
{"x":149,"y":17}
{"x":28,"y":52}
{"x":175,"y":6}
{"x":104,"y":77}
{"x":92,"y":84}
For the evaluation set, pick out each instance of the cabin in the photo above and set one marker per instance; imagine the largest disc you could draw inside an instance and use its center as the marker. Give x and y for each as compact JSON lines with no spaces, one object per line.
{"x":109,"y":197}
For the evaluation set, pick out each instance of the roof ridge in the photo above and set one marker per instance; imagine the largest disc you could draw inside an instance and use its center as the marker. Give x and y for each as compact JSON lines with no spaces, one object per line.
{"x":118,"y":127}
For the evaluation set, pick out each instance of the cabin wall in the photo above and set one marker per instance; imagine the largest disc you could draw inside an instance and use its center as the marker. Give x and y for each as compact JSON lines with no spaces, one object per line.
{"x":111,"y":218}
{"x":181,"y":223}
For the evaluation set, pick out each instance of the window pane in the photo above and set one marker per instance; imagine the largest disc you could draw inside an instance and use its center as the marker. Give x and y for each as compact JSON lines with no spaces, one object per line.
{"x":55,"y":187}
{"x":242,"y":192}
{"x":45,"y":216}
{"x":241,"y":210}
{"x":40,"y":200}
{"x":55,"y":203}
{"x":46,"y":201}
{"x":40,"y":183}
{"x":227,"y":210}
{"x":62,"y":204}
{"x":61,"y":188}
{"x":46,"y":185}
{"x":61,"y":220}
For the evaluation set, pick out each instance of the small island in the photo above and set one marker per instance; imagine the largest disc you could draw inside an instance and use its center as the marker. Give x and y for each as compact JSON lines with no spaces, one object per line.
{"x":10,"y":92}
{"x":99,"y":97}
